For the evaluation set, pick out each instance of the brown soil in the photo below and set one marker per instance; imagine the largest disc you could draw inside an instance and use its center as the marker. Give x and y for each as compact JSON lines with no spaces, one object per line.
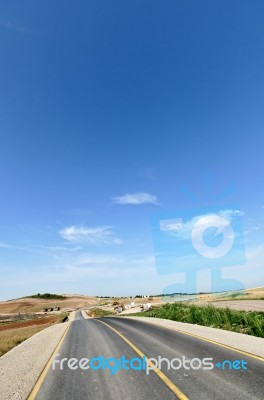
{"x":32,"y":305}
{"x":38,"y":321}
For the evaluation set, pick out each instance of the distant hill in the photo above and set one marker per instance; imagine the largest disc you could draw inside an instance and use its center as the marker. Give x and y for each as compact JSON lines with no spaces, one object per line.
{"x":46,"y":296}
{"x":36,"y":303}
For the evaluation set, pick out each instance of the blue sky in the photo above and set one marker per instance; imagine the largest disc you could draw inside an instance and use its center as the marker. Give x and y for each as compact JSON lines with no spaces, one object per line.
{"x":111,"y":112}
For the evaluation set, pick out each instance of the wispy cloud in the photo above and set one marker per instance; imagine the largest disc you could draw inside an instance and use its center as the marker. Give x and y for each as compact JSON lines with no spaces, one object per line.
{"x":87,"y":265}
{"x":135,"y":199}
{"x":252,"y":230}
{"x":183,"y":230}
{"x":61,"y":248}
{"x":5,"y":246}
{"x":98,"y":235}
{"x":148,"y":260}
{"x":99,"y":259}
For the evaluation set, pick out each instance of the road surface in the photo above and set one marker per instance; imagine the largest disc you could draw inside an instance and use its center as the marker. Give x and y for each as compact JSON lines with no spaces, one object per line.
{"x":92,"y":338}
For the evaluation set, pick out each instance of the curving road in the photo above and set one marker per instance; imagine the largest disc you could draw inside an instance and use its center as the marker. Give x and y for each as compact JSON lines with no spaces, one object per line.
{"x":117,"y":337}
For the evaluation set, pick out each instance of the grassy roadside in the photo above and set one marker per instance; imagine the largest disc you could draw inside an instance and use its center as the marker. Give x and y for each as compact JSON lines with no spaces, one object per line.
{"x":64,"y":316}
{"x":11,"y":338}
{"x":248,"y":322}
{"x":14,"y":333}
{"x":98,"y":312}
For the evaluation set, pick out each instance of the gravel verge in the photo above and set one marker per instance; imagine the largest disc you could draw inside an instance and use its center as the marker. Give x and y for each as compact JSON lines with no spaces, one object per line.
{"x":21,"y":367}
{"x":240,"y":341}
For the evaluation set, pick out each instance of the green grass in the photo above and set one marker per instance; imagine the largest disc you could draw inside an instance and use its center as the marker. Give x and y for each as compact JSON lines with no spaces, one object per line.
{"x":236,"y":295}
{"x":64,"y":316}
{"x":249,"y":322}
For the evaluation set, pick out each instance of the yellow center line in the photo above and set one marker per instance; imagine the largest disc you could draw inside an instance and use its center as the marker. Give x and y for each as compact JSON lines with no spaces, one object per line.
{"x":160,"y":374}
{"x":259,"y":358}
{"x":40,"y":380}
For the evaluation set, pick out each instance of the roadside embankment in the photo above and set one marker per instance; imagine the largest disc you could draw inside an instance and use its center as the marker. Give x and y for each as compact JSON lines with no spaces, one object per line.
{"x":21,"y":366}
{"x":240,"y":341}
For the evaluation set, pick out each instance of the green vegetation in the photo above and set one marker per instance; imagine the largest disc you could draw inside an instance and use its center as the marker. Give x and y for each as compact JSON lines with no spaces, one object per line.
{"x":17,"y":342}
{"x":249,"y":322}
{"x":48,"y":296}
{"x":64,"y":316}
{"x":238,"y":295}
{"x":98,"y":312}
{"x":103,"y":303}
{"x":10,"y":338}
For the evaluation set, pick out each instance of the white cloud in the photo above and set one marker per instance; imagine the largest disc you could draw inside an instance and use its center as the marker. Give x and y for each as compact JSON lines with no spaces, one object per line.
{"x":99,"y":259}
{"x":176,"y":227}
{"x":229,"y":214}
{"x":135,"y":199}
{"x":91,"y":235}
{"x":171,"y":224}
{"x":61,"y":248}
{"x":251,"y":230}
{"x":98,"y":266}
{"x":10,"y":246}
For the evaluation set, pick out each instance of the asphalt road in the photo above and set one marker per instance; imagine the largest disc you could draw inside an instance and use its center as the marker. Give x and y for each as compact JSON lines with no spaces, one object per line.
{"x":92,"y":338}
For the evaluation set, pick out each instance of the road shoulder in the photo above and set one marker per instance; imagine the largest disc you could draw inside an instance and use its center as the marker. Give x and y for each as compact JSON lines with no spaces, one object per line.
{"x":250,"y":344}
{"x":21,"y":367}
